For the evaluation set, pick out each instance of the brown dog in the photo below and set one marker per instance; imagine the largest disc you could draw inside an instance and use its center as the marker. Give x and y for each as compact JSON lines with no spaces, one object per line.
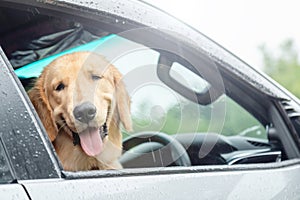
{"x":81,"y":101}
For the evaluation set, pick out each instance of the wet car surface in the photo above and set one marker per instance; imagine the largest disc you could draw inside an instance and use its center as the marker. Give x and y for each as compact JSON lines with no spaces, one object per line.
{"x":206,"y":124}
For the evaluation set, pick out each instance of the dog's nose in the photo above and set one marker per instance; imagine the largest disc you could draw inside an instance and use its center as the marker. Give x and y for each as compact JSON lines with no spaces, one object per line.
{"x":85,"y":112}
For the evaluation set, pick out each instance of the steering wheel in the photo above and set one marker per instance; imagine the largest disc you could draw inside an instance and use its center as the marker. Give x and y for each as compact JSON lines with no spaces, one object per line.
{"x":149,"y":142}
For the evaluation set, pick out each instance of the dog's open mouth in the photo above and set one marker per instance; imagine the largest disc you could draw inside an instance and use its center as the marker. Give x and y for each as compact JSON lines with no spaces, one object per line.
{"x":91,"y":141}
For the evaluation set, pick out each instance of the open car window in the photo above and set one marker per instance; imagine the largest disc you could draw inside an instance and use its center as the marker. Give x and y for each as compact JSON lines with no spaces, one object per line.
{"x":156,"y":106}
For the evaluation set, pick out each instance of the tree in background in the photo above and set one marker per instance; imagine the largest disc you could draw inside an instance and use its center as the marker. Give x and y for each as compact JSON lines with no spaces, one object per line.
{"x":284,"y":67}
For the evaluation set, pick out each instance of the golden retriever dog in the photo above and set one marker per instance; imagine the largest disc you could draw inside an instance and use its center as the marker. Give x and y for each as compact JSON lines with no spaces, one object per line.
{"x":81,"y":101}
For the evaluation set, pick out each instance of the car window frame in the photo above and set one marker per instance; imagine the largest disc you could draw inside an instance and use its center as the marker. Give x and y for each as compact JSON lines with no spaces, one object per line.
{"x":22,"y":128}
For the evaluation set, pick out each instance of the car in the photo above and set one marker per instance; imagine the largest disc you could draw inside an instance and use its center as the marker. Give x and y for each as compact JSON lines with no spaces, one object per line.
{"x":206,"y":125}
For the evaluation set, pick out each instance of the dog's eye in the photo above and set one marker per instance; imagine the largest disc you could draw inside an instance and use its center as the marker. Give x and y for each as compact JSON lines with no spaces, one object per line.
{"x":60,"y":87}
{"x":95,"y":77}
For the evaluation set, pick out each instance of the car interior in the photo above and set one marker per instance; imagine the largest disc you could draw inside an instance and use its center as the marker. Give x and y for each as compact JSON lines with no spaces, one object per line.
{"x":187,"y":110}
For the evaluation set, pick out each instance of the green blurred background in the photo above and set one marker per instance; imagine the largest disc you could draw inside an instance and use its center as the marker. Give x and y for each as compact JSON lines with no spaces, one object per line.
{"x":283,"y":66}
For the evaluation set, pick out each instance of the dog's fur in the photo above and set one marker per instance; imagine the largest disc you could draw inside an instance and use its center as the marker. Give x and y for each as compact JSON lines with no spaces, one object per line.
{"x":87,"y":77}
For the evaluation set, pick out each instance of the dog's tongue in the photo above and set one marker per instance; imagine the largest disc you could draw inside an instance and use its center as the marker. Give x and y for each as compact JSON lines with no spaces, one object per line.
{"x":91,"y":141}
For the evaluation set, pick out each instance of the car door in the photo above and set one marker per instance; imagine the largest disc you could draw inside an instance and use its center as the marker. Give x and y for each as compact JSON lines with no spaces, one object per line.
{"x":32,"y":158}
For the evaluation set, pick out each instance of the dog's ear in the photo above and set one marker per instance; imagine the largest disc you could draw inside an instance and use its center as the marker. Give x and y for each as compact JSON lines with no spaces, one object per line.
{"x":40,"y":102}
{"x":122,"y":101}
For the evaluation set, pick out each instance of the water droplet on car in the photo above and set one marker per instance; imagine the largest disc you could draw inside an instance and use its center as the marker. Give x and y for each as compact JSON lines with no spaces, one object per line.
{"x":3,"y":92}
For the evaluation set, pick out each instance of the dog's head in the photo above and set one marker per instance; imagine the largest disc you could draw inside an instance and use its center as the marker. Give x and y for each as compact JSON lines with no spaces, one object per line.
{"x":79,"y":93}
